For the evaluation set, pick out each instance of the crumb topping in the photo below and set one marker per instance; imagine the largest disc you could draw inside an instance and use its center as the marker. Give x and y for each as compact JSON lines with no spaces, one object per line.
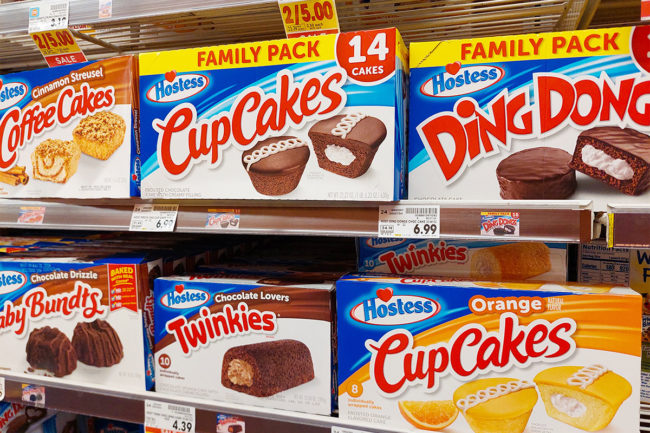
{"x":102,"y":126}
{"x":53,"y":147}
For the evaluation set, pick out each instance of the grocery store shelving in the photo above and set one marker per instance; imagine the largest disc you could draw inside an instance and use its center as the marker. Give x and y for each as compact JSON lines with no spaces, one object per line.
{"x":130,"y":406}
{"x":628,"y":226}
{"x":145,"y":25}
{"x":553,"y":221}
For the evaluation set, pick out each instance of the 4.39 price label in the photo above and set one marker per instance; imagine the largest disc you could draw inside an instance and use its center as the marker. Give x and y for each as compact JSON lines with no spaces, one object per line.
{"x":162,"y":417}
{"x":309,"y":17}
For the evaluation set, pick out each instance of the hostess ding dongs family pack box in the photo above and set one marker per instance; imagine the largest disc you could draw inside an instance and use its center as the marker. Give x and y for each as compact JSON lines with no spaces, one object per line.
{"x":539,"y":116}
{"x":314,"y":118}
{"x":478,"y":260}
{"x":247,"y":339}
{"x":76,"y":318}
{"x":419,"y":353}
{"x":67,"y":131}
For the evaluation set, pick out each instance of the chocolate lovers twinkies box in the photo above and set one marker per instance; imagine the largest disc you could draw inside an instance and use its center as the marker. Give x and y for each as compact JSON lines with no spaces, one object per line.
{"x":419,"y":353}
{"x":76,"y":319}
{"x":314,"y":118}
{"x":252,"y":340}
{"x":67,"y":131}
{"x":480,"y":260}
{"x":548,"y":116}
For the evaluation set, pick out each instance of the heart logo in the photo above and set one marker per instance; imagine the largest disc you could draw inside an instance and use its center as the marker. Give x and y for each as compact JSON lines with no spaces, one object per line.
{"x":134,"y":177}
{"x":179,"y":288}
{"x":453,"y":68}
{"x":385,"y":294}
{"x":169,"y":76}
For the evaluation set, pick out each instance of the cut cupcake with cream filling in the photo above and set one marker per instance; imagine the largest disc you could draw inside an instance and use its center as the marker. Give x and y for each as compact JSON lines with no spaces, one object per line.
{"x":339,"y":154}
{"x":584,"y":397}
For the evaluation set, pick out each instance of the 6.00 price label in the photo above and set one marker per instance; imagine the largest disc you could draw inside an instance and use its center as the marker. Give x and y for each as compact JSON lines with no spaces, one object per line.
{"x":408,"y":221}
{"x":162,"y":417}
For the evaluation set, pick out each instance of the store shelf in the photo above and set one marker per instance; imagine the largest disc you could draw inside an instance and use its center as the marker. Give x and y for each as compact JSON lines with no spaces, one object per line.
{"x":129,"y":406}
{"x":554,"y":221}
{"x":628,"y":226}
{"x":146,"y":25}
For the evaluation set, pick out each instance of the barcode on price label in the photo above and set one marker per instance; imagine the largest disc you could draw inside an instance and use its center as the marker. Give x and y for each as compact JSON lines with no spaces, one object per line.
{"x":403,"y":221}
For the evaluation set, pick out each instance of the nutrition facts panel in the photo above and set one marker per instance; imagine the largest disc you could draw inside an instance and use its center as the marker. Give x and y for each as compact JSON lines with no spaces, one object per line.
{"x":599,"y":264}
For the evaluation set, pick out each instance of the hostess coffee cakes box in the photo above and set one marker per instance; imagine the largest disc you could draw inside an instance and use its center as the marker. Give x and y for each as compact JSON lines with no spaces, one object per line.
{"x":549,"y":116}
{"x":67,"y":131}
{"x":313,"y":118}
{"x":418,"y":353}
{"x":261,"y":341}
{"x":79,"y":320}
{"x":478,"y":260}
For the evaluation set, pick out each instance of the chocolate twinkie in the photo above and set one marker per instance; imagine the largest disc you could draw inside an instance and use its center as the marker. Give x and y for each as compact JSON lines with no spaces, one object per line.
{"x":264,"y":369}
{"x":537,"y":173}
{"x":347,"y":144}
{"x":50,"y":349}
{"x":97,"y":344}
{"x":275,"y":165}
{"x":619,"y":157}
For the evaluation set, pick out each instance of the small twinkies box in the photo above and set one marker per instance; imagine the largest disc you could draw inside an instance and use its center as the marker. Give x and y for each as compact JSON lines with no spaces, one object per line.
{"x":313,"y":118}
{"x":549,"y":116}
{"x":69,"y":131}
{"x":256,"y":340}
{"x":77,"y":319}
{"x":420,"y":353}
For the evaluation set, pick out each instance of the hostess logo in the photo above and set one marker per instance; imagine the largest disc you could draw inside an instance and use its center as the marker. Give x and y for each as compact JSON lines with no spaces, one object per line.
{"x":10,"y":281}
{"x":177,"y":87}
{"x":457,"y":80}
{"x":11,"y":94}
{"x":389,"y":309}
{"x":181,"y":298}
{"x":384,"y":242}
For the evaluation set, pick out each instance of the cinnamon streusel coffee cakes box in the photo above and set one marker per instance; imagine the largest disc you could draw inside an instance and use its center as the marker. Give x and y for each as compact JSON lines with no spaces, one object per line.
{"x":68,"y":131}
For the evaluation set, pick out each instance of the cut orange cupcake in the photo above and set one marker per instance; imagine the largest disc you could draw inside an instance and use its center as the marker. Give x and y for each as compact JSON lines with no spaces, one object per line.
{"x":429,"y":415}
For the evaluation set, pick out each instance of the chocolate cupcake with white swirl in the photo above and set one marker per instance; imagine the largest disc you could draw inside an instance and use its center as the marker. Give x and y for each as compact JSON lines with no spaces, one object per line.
{"x":346,"y":144}
{"x":276,"y":164}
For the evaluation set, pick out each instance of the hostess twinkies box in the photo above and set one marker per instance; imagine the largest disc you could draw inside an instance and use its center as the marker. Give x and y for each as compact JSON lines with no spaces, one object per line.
{"x":548,"y":116}
{"x":79,"y":319}
{"x":254,"y":340}
{"x":416,"y":353}
{"x":479,"y":260}
{"x":68,"y":131}
{"x":313,"y":118}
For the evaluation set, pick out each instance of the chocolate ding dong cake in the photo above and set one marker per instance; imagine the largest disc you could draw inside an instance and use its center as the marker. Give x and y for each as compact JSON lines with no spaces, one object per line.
{"x":550,"y":116}
{"x":294,"y":119}
{"x":239,"y":339}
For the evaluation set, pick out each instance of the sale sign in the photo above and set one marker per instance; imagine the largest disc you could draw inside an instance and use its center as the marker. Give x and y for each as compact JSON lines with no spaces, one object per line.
{"x":58,"y":47}
{"x":309,"y":17}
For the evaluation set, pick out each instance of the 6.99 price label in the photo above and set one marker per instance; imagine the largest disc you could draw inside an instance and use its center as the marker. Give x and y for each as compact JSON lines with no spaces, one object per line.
{"x":409,"y":221}
{"x":309,"y":17}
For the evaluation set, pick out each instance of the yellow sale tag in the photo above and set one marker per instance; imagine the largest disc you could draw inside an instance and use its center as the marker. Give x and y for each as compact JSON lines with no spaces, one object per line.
{"x":309,"y":17}
{"x":58,"y":47}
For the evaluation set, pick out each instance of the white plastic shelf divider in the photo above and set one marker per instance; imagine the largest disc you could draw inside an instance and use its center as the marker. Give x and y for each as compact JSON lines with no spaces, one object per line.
{"x":551,"y":221}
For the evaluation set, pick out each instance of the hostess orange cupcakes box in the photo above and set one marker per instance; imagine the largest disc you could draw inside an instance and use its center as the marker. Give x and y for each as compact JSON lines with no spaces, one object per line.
{"x":417,"y":353}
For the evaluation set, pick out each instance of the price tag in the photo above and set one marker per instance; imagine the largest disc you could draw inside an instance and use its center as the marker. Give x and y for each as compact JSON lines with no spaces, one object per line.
{"x":409,"y":221}
{"x":33,"y":395}
{"x":222,"y":219}
{"x":309,"y":17}
{"x":2,"y":388}
{"x":31,"y":215}
{"x":336,"y":429}
{"x":48,"y":15}
{"x":153,"y":218}
{"x":500,"y":224}
{"x":162,"y":417}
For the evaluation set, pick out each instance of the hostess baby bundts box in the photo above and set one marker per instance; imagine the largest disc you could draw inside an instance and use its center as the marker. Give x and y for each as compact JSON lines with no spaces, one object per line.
{"x":314,"y":118}
{"x":420,"y":353}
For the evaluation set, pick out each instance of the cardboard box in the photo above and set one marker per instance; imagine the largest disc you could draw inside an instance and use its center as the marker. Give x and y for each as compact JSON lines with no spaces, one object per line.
{"x":483,"y":260}
{"x":68,"y":131}
{"x":514,"y":117}
{"x":251,"y":340}
{"x":276,"y":119}
{"x":56,"y":310}
{"x":508,"y":356}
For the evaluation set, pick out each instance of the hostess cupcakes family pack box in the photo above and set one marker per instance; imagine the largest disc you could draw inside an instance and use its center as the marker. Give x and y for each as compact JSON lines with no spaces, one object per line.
{"x":257,"y":340}
{"x":68,"y":131}
{"x":420,"y":353}
{"x":317,"y":118}
{"x":548,"y":116}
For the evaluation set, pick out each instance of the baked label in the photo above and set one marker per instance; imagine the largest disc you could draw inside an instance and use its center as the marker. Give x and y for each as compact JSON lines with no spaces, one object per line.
{"x":506,"y":118}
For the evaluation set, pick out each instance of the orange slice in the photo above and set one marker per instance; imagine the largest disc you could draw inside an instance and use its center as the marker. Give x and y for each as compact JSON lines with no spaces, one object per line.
{"x":429,"y":415}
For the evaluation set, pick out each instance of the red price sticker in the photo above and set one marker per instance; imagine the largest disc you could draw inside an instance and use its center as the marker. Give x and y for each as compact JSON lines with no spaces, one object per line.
{"x":645,"y":10}
{"x":367,"y":57}
{"x":58,"y":47}
{"x":308,"y":17}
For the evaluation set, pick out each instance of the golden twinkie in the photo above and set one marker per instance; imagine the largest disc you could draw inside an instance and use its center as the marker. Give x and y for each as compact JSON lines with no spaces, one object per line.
{"x":510,"y":357}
